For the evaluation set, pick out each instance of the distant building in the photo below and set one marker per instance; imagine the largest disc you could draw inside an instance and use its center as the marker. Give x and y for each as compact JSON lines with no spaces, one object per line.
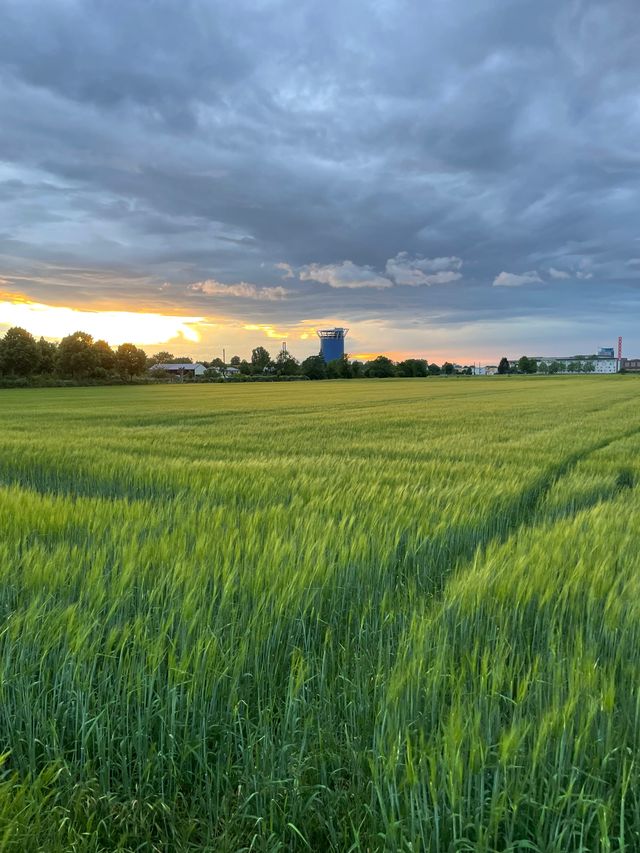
{"x":181,"y":369}
{"x":606,"y":352}
{"x":631,"y":365}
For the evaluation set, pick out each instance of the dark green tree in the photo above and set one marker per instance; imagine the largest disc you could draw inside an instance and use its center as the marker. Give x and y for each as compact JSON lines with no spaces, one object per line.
{"x":235,"y":361}
{"x":47,"y":352}
{"x":244,"y":367}
{"x":380,"y":368}
{"x":413,"y":367}
{"x":105,"y":357}
{"x":18,"y":353}
{"x":357,"y":368}
{"x":448,"y":369}
{"x":130,"y":361}
{"x":260,"y":360}
{"x":162,"y":357}
{"x":76,"y":355}
{"x":339,"y":368}
{"x":286,"y":364}
{"x":503,"y":367}
{"x":314,"y":367}
{"x":434,"y":370}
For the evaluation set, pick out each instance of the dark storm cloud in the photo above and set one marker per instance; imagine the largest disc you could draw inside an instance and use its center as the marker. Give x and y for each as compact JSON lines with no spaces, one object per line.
{"x":199,"y":144}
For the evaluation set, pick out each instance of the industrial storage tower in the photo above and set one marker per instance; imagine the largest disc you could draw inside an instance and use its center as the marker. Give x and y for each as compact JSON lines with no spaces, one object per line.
{"x":332,"y":343}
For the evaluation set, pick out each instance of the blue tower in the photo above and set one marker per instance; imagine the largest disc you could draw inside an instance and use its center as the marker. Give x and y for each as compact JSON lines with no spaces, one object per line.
{"x":332,"y":343}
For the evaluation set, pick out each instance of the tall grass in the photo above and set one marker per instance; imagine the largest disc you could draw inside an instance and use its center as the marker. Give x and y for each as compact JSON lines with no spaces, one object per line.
{"x":366,"y":616}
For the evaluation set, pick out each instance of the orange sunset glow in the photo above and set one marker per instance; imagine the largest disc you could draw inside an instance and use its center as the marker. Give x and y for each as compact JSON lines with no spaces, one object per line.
{"x":116,"y":327}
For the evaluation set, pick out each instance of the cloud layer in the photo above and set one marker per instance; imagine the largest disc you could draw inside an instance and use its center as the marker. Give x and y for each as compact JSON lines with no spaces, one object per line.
{"x":374,"y":163}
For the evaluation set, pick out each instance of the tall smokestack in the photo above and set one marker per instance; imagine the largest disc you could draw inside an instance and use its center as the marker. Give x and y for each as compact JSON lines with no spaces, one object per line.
{"x":620,"y":347}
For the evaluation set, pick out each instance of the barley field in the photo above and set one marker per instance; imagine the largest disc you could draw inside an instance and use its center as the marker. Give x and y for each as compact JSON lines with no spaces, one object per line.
{"x":344,"y":616}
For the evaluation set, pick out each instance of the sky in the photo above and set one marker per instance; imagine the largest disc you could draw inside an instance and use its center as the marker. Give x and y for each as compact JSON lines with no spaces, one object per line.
{"x":447,"y":179}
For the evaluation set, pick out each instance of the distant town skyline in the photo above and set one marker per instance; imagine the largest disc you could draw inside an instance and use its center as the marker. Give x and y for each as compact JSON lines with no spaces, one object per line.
{"x":449,"y":180}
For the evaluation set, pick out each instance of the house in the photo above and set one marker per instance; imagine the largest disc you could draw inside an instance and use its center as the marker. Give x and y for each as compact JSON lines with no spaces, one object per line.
{"x":631,"y":365}
{"x":181,"y":369}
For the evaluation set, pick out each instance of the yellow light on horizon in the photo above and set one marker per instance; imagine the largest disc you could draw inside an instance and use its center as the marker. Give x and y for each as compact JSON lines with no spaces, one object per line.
{"x":116,"y":327}
{"x":268,"y":330}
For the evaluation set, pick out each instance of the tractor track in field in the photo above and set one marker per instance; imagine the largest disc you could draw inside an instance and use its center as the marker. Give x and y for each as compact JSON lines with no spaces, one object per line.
{"x":524,"y":513}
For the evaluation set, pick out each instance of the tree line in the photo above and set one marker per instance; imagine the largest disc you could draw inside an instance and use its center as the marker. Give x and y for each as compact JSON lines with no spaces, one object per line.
{"x":80,"y":358}
{"x":76,"y":357}
{"x":315,"y":367}
{"x":580,"y":364}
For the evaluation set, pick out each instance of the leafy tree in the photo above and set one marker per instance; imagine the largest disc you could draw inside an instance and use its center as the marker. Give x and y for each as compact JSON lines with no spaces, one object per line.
{"x":527,"y":365}
{"x":413,"y":367}
{"x":434,"y":370}
{"x":47,"y":352}
{"x":235,"y":361}
{"x":244,"y":367}
{"x":579,"y":366}
{"x":589,"y":366}
{"x":162,"y":357}
{"x":380,"y":367}
{"x":543,"y":367}
{"x":356,"y":369}
{"x":339,"y":368}
{"x":18,"y":353}
{"x":314,"y":367}
{"x":260,"y":360}
{"x":76,"y":355}
{"x":105,"y":356}
{"x":571,"y":367}
{"x":346,"y":371}
{"x":333,"y":369}
{"x":447,"y":368}
{"x":503,"y":367}
{"x":217,"y":364}
{"x":286,"y":364}
{"x":554,"y":367}
{"x":130,"y":360}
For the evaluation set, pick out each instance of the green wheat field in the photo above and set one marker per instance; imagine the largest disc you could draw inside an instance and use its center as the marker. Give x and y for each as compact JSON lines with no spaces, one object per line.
{"x":364,"y":616}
